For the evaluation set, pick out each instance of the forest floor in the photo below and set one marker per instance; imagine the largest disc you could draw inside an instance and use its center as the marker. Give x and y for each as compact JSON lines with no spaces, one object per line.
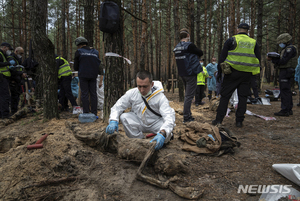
{"x":68,"y":169}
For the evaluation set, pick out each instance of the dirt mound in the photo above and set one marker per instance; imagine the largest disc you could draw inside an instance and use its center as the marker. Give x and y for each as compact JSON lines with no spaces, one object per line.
{"x":68,"y":169}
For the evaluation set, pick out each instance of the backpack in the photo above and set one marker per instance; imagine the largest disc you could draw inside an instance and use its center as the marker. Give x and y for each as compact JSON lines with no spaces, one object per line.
{"x":109,"y":18}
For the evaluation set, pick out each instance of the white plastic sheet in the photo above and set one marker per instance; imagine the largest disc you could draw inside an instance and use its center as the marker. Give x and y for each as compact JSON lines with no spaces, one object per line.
{"x":100,"y":94}
{"x":289,"y":171}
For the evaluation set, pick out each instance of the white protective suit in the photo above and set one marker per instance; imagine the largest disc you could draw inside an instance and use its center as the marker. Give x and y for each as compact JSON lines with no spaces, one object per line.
{"x":140,"y":119}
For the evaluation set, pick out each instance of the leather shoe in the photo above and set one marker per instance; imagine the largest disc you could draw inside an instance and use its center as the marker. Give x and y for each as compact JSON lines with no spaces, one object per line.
{"x":282,"y":113}
{"x":215,"y":122}
{"x":291,"y":112}
{"x":239,"y":124}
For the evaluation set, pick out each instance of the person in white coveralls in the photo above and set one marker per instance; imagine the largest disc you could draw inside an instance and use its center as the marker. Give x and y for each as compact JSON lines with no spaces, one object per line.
{"x":150,"y":111}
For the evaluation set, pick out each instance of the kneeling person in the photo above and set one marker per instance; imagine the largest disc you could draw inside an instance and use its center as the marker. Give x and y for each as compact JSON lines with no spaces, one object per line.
{"x":160,"y":118}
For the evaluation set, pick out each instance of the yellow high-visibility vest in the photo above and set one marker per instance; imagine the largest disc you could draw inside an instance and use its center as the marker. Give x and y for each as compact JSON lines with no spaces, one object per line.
{"x":4,"y":70}
{"x":201,"y":77}
{"x":243,"y":58}
{"x":65,"y":69}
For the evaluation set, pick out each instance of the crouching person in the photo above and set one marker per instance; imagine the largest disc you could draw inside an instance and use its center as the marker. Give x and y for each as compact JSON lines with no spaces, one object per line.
{"x":150,"y":111}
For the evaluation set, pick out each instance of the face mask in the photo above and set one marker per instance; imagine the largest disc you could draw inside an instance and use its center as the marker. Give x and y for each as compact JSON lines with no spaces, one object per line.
{"x":149,"y":93}
{"x":282,"y":45}
{"x":19,"y":56}
{"x":214,"y":63}
{"x":201,"y":63}
{"x":8,"y":52}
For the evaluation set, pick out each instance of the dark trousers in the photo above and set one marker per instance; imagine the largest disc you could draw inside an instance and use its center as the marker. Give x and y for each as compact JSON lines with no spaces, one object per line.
{"x":254,"y":86}
{"x":88,"y":87}
{"x":15,"y":92}
{"x":190,"y":84}
{"x":285,"y":77}
{"x":199,"y":94}
{"x":236,"y":80}
{"x":4,"y":96}
{"x":66,"y":92}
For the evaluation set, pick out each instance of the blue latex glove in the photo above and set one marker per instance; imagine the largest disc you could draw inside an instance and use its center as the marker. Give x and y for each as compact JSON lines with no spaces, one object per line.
{"x":12,"y":62}
{"x":113,"y":125}
{"x":160,"y":140}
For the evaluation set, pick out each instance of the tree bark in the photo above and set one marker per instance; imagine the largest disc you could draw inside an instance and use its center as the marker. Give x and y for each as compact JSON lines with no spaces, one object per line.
{"x":134,"y":38}
{"x":253,"y":15}
{"x":198,"y":24}
{"x":221,"y":29}
{"x":13,"y":22}
{"x":205,"y":32}
{"x":168,"y":73}
{"x":191,"y":20}
{"x":89,"y":21}
{"x":259,"y":32}
{"x":63,"y":30}
{"x":232,"y":18}
{"x":44,"y":49}
{"x":114,"y":76}
{"x":143,"y":36}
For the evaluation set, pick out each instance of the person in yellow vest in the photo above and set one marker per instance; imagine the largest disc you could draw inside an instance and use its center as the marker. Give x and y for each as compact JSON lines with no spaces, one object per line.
{"x":17,"y":75}
{"x":240,"y":59}
{"x":65,"y":78}
{"x":5,"y":50}
{"x":200,"y":94}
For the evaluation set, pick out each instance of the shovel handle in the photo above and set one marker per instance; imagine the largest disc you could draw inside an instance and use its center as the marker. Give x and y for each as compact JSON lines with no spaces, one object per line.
{"x":41,"y":139}
{"x":35,"y":146}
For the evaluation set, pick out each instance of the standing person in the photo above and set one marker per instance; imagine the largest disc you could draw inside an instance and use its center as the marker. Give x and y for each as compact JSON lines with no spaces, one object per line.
{"x":286,"y":64}
{"x":5,"y":50}
{"x":65,"y":79}
{"x":150,"y":111}
{"x":241,"y":56}
{"x":188,"y":68}
{"x":211,"y":80}
{"x":253,"y":85}
{"x":74,"y":86}
{"x":87,"y":63}
{"x":200,"y":94}
{"x":16,"y":78}
{"x":297,"y":77}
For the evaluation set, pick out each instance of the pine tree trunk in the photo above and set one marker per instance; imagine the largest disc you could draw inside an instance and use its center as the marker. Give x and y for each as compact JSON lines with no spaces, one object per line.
{"x":156,"y":73}
{"x":205,"y":32}
{"x":134,"y":38}
{"x":198,"y":24}
{"x":44,"y":49}
{"x":209,"y":28}
{"x":232,"y":18}
{"x":151,"y":40}
{"x":114,"y":76}
{"x":143,"y":36}
{"x":63,"y":30}
{"x":238,"y":14}
{"x":177,"y":39}
{"x":13,"y":22}
{"x":191,"y":20}
{"x":221,"y":28}
{"x":253,"y":15}
{"x":260,"y":33}
{"x":89,"y":22}
{"x":168,"y":33}
{"x":69,"y":31}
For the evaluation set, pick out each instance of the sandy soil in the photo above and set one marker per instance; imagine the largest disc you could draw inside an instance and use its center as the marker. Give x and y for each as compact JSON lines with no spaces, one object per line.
{"x":67,"y":169}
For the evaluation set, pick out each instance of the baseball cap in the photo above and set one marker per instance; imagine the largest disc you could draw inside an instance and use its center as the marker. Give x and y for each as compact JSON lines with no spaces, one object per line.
{"x":7,"y":45}
{"x":244,"y":26}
